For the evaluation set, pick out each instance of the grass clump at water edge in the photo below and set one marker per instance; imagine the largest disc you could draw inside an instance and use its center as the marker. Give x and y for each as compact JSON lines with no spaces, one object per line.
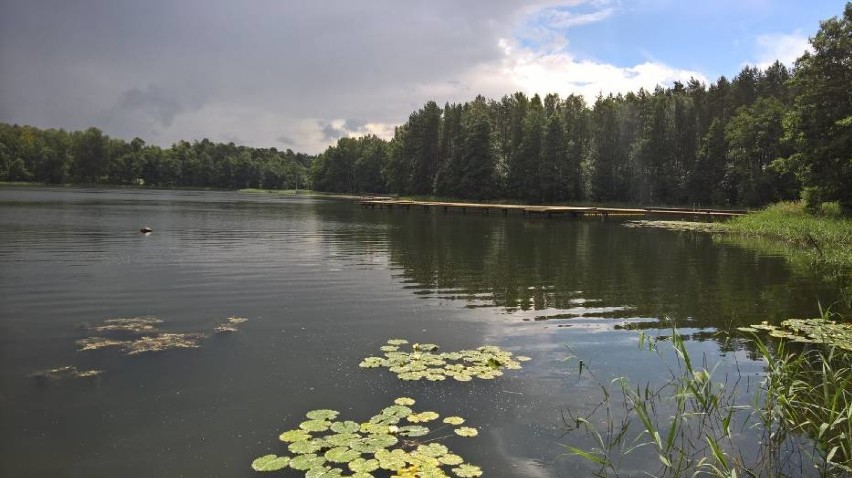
{"x":698,"y":424}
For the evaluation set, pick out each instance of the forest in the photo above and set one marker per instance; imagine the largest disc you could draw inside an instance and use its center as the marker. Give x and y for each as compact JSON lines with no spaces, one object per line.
{"x":763,"y":136}
{"x":55,"y":156}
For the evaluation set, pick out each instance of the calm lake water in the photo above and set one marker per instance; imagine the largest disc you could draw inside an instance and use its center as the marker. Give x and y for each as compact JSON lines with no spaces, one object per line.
{"x":324,"y":284}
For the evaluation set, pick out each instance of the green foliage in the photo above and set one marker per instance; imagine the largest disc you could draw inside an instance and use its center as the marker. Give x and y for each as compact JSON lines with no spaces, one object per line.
{"x":423,"y":362}
{"x":321,"y":447}
{"x":353,"y":165}
{"x":820,"y":124}
{"x":89,"y":157}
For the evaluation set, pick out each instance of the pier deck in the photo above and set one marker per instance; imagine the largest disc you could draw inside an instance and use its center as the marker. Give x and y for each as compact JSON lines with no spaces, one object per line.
{"x":550,"y":211}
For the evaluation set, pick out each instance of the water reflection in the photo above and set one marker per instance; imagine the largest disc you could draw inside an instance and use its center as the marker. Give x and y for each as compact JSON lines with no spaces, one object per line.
{"x":558,"y":270}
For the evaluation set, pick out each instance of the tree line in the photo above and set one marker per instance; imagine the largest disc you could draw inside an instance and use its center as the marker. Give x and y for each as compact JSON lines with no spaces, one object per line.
{"x":56,"y":156}
{"x":763,"y":136}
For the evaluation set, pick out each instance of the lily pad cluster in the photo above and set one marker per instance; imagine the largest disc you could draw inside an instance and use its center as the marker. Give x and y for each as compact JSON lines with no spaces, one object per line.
{"x":394,"y":440}
{"x":816,"y":331}
{"x":424,"y":362}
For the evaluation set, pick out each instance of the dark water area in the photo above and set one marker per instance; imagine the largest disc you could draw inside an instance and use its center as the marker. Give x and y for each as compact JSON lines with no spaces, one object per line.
{"x":324,"y":284}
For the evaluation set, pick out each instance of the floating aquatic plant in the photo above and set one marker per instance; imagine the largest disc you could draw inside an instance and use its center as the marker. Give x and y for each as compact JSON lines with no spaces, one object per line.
{"x":68,"y":371}
{"x":423,"y":362}
{"x":163,"y":341}
{"x":818,"y":331}
{"x":230,"y":325}
{"x":147,"y":343}
{"x":390,"y":441}
{"x":135,"y":335}
{"x":132,"y":324}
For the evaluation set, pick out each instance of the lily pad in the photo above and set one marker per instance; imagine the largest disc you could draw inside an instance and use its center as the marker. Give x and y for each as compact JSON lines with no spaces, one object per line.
{"x":270,"y":463}
{"x":322,"y":414}
{"x":315,"y":425}
{"x":324,"y":472}
{"x":392,"y":459}
{"x":467,"y":471}
{"x":361,"y":465}
{"x":434,"y":450}
{"x":414,"y":431}
{"x":294,"y":436}
{"x":466,"y":431}
{"x":306,"y":462}
{"x":422,"y":417}
{"x":341,"y":454}
{"x":304,"y":447}
{"x":451,"y":459}
{"x":345,"y":427}
{"x":453,"y":420}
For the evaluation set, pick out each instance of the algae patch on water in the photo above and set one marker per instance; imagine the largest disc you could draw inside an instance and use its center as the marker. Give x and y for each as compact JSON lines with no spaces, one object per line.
{"x":394,"y":440}
{"x":133,"y":336}
{"x":136,"y":335}
{"x":230,"y":325}
{"x":424,"y":362}
{"x":68,"y":371}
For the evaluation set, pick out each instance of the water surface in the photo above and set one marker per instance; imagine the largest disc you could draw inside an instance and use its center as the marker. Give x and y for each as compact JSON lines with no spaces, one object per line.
{"x":324,"y":284}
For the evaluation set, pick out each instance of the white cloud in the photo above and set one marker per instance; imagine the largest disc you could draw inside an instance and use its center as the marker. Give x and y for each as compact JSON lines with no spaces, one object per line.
{"x":522,"y":69}
{"x":784,"y":47}
{"x":565,"y":19}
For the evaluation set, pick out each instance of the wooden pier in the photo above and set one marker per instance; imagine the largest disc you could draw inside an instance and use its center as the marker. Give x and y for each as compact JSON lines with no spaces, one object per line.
{"x":550,"y":211}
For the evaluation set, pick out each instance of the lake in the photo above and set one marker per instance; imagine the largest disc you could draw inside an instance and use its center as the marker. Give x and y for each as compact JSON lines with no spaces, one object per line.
{"x":324,"y":284}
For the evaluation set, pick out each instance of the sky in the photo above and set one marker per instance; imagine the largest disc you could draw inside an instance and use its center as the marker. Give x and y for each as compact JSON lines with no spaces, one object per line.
{"x":300,"y":74}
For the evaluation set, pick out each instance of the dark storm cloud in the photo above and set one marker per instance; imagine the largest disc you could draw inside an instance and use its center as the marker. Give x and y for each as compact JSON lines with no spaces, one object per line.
{"x":355,"y":125}
{"x":285,"y":140}
{"x":349,"y":127}
{"x":330,"y":132}
{"x":153,"y":101}
{"x":261,"y":67}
